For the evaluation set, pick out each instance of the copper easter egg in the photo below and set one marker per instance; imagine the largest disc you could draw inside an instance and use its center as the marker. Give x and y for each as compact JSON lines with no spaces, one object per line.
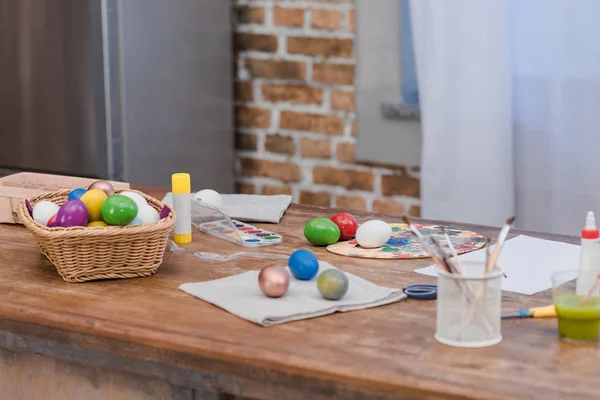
{"x":274,"y":280}
{"x":105,"y":186}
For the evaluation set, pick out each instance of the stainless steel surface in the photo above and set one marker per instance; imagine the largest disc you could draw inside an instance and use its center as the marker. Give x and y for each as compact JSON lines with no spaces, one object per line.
{"x":48,"y":106}
{"x":110,"y":63}
{"x":121,"y":89}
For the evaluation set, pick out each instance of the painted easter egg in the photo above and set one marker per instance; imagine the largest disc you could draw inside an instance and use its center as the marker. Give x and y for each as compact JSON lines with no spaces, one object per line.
{"x":76,"y":194}
{"x":72,"y":213}
{"x":140,"y":201}
{"x":347,"y":224}
{"x":210,"y":197}
{"x":303,"y":264}
{"x":136,"y":221}
{"x":321,"y":231}
{"x":119,"y":210}
{"x":52,"y":221}
{"x":168,"y":199}
{"x":164,"y":212}
{"x":105,"y":186}
{"x":374,"y":233}
{"x":43,"y":210}
{"x":29,"y":208}
{"x":274,"y":280}
{"x":147,"y":214}
{"x":332,"y":284}
{"x":93,"y":200}
{"x":97,"y":224}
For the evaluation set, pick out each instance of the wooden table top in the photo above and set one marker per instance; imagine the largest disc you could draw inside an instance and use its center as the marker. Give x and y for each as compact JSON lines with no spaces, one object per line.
{"x":380,"y":353}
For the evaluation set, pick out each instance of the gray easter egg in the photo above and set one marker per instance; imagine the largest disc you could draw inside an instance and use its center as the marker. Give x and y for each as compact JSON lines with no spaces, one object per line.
{"x":332,"y":284}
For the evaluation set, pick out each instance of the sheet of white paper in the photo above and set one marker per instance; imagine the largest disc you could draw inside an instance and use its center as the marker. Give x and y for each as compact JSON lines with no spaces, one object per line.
{"x":528,"y":263}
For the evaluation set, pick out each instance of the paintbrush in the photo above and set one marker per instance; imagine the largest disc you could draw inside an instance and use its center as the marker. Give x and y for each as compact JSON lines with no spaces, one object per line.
{"x":447,"y":264}
{"x":420,"y":236}
{"x":458,"y":265}
{"x":499,"y":243}
{"x":487,"y":251}
{"x":439,"y":263}
{"x":413,"y":228}
{"x":464,"y":287}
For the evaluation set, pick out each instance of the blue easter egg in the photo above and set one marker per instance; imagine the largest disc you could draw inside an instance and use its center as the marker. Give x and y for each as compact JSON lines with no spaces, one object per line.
{"x":76,"y":194}
{"x":303,"y":264}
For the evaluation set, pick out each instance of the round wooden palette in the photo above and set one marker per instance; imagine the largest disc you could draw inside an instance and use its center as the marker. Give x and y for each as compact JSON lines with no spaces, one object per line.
{"x":404,"y":244}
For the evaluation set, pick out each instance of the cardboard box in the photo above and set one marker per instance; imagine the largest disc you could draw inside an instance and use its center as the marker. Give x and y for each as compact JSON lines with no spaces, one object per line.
{"x":15,"y":188}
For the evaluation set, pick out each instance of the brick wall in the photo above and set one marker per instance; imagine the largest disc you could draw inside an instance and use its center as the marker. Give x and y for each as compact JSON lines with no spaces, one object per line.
{"x":295,"y":116}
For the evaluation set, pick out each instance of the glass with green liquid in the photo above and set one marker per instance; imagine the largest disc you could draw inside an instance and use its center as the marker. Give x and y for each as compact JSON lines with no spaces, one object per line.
{"x":577,"y":319}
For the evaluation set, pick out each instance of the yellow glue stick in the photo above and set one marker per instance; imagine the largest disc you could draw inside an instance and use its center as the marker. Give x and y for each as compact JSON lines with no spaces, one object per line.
{"x":181,"y":188}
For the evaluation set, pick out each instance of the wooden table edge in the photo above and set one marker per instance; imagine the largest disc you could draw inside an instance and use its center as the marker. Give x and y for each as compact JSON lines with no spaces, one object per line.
{"x":236,"y":356}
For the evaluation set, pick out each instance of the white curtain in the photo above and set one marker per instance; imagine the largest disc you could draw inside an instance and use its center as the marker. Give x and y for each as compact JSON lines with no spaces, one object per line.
{"x":509,"y":92}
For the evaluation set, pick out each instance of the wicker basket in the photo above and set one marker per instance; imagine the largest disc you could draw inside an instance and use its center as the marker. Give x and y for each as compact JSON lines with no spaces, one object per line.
{"x":83,"y":254}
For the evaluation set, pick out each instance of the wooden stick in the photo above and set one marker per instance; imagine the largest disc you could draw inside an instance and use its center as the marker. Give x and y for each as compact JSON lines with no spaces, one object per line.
{"x":592,"y":289}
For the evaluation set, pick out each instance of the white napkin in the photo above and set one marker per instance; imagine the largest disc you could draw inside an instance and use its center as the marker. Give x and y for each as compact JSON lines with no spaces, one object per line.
{"x":256,"y":208}
{"x":250,"y":207}
{"x":241,"y":296}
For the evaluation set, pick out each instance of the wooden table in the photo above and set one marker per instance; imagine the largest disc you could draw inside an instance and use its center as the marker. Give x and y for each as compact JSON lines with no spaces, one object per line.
{"x":143,"y":338}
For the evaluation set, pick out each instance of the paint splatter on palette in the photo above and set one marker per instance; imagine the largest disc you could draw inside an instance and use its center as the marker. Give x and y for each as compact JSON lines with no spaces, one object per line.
{"x":404,"y":244}
{"x":240,"y":233}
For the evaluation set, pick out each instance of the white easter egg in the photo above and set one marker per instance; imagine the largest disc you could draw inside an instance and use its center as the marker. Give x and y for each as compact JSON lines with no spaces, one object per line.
{"x":147,"y":214}
{"x":43,"y":211}
{"x":139,"y":200}
{"x":210,"y":197}
{"x":168,"y":200}
{"x":374,"y":233}
{"x":136,"y":221}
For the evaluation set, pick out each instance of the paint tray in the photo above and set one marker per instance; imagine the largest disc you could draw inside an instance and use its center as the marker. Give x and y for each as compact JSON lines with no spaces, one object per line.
{"x":17,"y":187}
{"x":211,"y":220}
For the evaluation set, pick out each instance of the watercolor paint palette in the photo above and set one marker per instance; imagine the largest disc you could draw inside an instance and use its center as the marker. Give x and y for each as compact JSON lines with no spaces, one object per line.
{"x":215,"y":222}
{"x":405,"y":245}
{"x":241,"y":233}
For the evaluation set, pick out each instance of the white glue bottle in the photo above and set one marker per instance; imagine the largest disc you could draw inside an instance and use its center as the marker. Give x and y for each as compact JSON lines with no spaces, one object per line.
{"x":181,"y":187}
{"x":589,"y":260}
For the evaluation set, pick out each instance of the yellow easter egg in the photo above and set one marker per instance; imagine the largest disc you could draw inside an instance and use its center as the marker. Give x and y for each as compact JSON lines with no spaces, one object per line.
{"x":96,"y":224}
{"x":93,"y":200}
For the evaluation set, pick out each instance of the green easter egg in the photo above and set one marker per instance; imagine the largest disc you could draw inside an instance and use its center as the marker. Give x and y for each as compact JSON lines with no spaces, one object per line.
{"x":119,"y":210}
{"x":321,"y":231}
{"x":332,"y":284}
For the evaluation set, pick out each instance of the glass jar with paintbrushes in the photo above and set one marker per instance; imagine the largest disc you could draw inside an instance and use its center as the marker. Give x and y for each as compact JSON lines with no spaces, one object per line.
{"x":469,"y":306}
{"x":469,"y":294}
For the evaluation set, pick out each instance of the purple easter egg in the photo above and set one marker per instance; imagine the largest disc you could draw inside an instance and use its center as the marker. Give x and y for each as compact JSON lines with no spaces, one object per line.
{"x":164,"y":213}
{"x":72,"y":213}
{"x":29,"y":208}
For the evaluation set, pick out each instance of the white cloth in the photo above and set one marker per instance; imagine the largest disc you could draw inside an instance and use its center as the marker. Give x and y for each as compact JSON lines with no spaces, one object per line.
{"x":241,"y":296}
{"x":509,"y":93}
{"x":250,"y":207}
{"x":256,"y":208}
